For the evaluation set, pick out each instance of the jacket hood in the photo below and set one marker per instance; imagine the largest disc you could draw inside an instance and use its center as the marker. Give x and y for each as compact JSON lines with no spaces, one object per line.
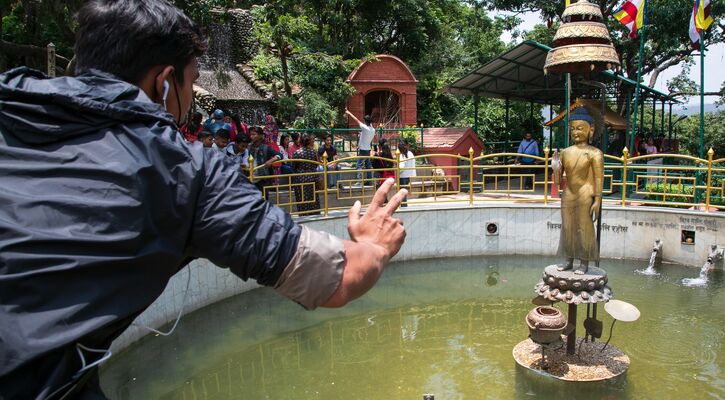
{"x":37,"y":109}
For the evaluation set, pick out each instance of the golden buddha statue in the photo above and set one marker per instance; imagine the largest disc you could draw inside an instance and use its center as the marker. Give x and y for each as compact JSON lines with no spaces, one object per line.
{"x":582,"y":197}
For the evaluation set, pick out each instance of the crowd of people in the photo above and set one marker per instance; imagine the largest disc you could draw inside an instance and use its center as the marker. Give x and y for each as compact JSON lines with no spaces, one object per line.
{"x":232,"y":137}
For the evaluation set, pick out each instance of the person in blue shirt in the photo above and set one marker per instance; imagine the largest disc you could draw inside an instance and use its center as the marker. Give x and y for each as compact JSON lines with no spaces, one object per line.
{"x":528,"y":146}
{"x":216,"y":122}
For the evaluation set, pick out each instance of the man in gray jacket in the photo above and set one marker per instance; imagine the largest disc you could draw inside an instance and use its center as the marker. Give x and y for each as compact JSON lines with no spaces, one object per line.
{"x":103,"y":201}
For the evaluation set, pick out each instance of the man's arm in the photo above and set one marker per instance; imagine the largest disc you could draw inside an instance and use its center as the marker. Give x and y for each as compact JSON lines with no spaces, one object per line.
{"x":519,"y":150}
{"x":271,"y":156}
{"x":351,"y":115}
{"x":376,"y":238}
{"x":260,"y":241}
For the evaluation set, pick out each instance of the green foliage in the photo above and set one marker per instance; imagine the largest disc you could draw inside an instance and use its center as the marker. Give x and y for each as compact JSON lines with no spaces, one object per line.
{"x":325,"y":75}
{"x":671,"y":192}
{"x":540,"y":33}
{"x":271,"y":28}
{"x":286,"y":109}
{"x":412,"y":137}
{"x":682,"y":83}
{"x":36,"y":23}
{"x":688,"y":132}
{"x":266,"y":67}
{"x":317,"y":112}
{"x":200,"y":10}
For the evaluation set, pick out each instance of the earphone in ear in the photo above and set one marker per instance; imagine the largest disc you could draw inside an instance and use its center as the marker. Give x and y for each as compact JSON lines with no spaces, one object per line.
{"x":166,"y":91}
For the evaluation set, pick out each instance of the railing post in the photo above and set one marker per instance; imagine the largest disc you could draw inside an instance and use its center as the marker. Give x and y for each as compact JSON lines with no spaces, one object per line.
{"x":546,"y":176}
{"x":710,"y":153}
{"x":422,"y":142}
{"x":51,"y":59}
{"x":250,"y":160}
{"x":324,"y":182}
{"x":470,"y":176}
{"x":625,"y":153}
{"x":397,"y":170}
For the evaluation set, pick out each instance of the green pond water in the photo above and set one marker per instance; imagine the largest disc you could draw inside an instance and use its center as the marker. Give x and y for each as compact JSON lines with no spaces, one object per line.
{"x":445,"y":327}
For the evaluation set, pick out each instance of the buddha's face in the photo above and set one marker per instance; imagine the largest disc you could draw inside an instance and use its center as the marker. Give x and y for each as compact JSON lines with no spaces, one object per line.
{"x":580,"y":131}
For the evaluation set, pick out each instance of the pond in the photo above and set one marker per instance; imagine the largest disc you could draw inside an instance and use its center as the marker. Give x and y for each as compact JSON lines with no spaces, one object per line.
{"x":445,"y":327}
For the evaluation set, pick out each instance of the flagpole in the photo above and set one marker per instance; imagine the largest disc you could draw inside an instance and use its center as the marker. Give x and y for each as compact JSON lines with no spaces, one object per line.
{"x":702,"y":93}
{"x":636,"y":93}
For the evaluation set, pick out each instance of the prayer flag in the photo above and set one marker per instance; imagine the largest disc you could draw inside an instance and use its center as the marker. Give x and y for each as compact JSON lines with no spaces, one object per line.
{"x":632,"y":15}
{"x":700,"y":20}
{"x":703,"y":19}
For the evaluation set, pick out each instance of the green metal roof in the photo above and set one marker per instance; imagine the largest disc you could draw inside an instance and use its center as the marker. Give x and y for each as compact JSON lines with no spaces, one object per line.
{"x":518,"y":74}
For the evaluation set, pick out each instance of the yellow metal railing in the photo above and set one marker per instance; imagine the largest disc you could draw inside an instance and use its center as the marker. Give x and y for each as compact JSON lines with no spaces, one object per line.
{"x":684,"y":181}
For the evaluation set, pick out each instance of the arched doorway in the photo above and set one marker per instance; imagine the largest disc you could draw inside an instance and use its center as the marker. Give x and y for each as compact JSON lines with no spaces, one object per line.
{"x":384,"y":107}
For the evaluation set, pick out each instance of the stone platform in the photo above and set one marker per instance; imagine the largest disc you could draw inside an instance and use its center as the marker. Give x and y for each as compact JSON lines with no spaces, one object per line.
{"x":573,"y":288}
{"x":588,"y":365}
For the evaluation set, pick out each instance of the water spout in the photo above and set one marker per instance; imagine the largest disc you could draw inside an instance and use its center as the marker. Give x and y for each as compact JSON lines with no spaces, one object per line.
{"x":655,"y":259}
{"x":715,"y":256}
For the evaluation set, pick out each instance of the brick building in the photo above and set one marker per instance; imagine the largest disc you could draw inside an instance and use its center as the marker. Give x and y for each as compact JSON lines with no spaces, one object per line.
{"x":385,"y":90}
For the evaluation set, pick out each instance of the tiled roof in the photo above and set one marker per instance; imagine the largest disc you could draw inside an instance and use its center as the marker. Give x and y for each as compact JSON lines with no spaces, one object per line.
{"x":443,"y":137}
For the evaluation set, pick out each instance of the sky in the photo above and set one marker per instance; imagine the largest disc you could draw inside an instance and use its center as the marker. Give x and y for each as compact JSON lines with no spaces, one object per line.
{"x":714,"y":61}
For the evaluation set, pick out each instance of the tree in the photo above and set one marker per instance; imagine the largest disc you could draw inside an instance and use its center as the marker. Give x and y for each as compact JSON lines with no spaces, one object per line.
{"x":283,"y":34}
{"x":665,"y":47}
{"x":688,"y":132}
{"x":26,"y":28}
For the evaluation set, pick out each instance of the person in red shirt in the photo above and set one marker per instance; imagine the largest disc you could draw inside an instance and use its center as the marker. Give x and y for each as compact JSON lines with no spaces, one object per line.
{"x":191,"y":129}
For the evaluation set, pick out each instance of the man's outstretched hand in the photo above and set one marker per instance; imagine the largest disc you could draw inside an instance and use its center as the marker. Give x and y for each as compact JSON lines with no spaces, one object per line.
{"x":375,"y":238}
{"x":377,"y":226}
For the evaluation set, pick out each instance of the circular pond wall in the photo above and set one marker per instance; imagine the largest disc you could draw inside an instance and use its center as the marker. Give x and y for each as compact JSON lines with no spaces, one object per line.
{"x":436,"y":232}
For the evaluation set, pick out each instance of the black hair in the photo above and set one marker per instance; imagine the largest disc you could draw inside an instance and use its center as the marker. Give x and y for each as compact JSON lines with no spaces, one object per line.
{"x":204,"y":133}
{"x":306,"y":140}
{"x":222,"y":133}
{"x":328,"y":136}
{"x":368,"y":119}
{"x":237,"y":121}
{"x":295,"y":136}
{"x":402,"y":144}
{"x":386,"y":153}
{"x":128,"y":37}
{"x":282,"y":138}
{"x":241,"y":138}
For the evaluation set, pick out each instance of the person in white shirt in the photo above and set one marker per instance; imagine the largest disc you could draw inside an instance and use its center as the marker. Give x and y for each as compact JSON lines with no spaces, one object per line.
{"x":221,"y":140}
{"x":238,"y":149}
{"x":364,"y":144}
{"x":407,"y":167}
{"x":652,"y":149}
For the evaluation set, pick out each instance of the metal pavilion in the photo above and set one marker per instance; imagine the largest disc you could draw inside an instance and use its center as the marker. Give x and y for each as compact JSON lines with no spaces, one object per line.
{"x":518,"y":75}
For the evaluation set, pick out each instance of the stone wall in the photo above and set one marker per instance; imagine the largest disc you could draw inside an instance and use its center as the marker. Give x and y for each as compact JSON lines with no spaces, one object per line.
{"x":230,"y":39}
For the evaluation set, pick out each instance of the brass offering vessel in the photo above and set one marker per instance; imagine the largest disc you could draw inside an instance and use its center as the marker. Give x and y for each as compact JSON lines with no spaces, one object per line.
{"x":546,"y":324}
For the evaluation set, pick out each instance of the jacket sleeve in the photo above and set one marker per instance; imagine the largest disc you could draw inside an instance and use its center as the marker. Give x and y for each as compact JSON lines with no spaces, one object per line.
{"x":235,"y":227}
